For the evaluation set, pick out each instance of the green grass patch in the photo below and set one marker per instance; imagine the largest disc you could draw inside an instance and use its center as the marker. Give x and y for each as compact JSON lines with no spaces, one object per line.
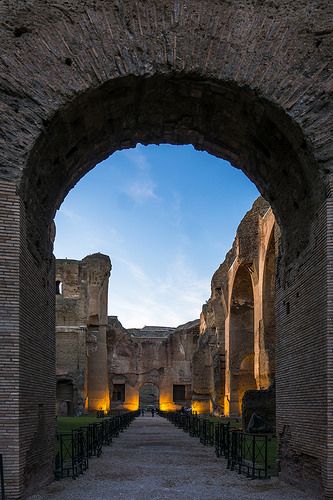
{"x":66,"y":424}
{"x":271,"y":452}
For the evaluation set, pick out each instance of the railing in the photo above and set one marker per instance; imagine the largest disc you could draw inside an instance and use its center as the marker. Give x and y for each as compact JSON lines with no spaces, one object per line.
{"x":249,"y":454}
{"x":2,"y":480}
{"x":75,"y":448}
{"x":245,"y":452}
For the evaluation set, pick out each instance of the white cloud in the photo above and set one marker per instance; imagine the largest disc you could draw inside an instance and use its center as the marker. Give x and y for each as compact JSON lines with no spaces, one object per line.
{"x":141,"y":190}
{"x":171,"y":298}
{"x":138,"y":158}
{"x":69,"y":214}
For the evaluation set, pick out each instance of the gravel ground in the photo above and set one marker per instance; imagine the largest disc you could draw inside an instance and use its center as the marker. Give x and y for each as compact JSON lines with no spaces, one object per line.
{"x":153,"y":460}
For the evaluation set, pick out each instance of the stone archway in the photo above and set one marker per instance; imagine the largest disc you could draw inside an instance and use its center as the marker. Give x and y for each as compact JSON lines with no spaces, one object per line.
{"x":242,"y":81}
{"x":241,"y":339}
{"x":149,"y":396}
{"x":267,"y":362}
{"x":65,"y":398}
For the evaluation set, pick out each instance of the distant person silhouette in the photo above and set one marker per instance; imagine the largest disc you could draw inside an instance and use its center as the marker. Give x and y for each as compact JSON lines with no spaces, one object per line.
{"x":153,"y":412}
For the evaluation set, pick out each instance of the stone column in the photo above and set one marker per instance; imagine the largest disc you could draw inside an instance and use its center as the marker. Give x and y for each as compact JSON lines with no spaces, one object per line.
{"x":98,"y":269}
{"x":98,"y":384}
{"x":203,"y":381}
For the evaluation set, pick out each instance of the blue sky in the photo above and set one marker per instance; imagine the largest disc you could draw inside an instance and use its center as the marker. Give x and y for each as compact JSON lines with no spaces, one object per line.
{"x":166,"y":215}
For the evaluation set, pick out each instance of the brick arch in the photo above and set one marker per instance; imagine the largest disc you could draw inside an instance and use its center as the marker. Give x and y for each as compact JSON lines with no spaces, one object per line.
{"x":156,"y":393}
{"x":247,"y":81}
{"x":177,"y":109}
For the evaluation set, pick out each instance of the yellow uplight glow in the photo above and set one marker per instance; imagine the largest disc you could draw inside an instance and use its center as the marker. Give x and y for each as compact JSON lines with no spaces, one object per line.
{"x":132,"y":403}
{"x":226,"y":406}
{"x":103,"y":404}
{"x":202,"y":407}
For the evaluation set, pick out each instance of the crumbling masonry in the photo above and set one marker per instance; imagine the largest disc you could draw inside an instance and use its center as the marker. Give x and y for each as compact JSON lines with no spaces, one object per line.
{"x":99,"y":361}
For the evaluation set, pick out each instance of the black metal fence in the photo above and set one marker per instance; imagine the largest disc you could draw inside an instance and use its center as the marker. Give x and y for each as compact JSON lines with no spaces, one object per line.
{"x":75,"y":448}
{"x":246,"y":453}
{"x":2,"y":480}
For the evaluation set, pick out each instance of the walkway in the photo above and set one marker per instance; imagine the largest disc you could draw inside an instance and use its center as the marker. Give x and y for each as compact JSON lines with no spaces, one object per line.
{"x":153,"y":460}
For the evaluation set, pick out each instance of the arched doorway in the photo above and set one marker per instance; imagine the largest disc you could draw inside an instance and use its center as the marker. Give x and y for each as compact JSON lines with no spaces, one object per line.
{"x":268,"y":331}
{"x":149,"y":396}
{"x":166,"y":72}
{"x":241,"y":339}
{"x":65,"y":398}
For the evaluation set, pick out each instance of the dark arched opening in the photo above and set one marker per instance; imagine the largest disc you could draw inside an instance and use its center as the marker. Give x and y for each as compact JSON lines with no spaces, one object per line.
{"x":268,"y":333}
{"x":65,"y":398}
{"x":241,"y":338}
{"x":149,"y":396}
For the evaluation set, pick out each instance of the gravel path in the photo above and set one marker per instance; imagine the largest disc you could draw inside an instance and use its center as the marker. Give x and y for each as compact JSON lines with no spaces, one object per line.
{"x":153,"y":460}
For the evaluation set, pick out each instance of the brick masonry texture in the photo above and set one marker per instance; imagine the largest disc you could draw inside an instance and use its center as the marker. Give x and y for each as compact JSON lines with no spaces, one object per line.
{"x":245,"y":80}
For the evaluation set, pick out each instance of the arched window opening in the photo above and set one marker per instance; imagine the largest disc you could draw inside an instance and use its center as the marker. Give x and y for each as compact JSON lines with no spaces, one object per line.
{"x":65,"y":398}
{"x":149,"y":396}
{"x":268,"y":333}
{"x":241,"y":339}
{"x":58,"y":287}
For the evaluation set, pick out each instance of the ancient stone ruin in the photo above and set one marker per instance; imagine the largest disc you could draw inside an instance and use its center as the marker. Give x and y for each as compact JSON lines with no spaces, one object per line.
{"x":208,"y":365}
{"x":99,"y":361}
{"x":244,"y":80}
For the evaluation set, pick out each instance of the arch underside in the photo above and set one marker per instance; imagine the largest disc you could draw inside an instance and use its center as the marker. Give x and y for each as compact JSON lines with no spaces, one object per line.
{"x":219,"y":117}
{"x":241,"y":334}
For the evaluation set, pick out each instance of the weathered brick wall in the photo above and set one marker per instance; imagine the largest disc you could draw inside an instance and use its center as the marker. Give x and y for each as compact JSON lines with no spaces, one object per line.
{"x":37,"y":363}
{"x":27,"y":354}
{"x":9,"y":337}
{"x":136,"y":361}
{"x":302,"y":378}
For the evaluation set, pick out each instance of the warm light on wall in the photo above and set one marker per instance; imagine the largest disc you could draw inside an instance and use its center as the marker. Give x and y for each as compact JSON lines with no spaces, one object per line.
{"x":132,"y":403}
{"x":168,"y":406}
{"x":226,"y":406}
{"x":102,"y":404}
{"x":166,"y":403}
{"x":202,"y":407}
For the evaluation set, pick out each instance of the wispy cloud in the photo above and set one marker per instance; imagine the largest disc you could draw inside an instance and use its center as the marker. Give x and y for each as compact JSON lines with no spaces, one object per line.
{"x":69,"y":214}
{"x":138,"y":158}
{"x":141,"y":190}
{"x":174,"y":295}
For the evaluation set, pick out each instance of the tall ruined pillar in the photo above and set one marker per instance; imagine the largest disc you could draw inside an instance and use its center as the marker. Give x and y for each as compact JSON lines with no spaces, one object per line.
{"x":203,"y":381}
{"x":98,"y":269}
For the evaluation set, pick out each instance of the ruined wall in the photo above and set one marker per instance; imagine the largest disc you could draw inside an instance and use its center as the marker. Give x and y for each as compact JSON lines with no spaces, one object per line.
{"x":237,"y":324}
{"x":136,"y":361}
{"x":81,"y":319}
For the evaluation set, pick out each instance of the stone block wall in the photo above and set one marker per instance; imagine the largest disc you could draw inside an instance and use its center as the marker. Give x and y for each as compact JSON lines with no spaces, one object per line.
{"x":164,"y":361}
{"x":237,"y":324}
{"x":81,"y":315}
